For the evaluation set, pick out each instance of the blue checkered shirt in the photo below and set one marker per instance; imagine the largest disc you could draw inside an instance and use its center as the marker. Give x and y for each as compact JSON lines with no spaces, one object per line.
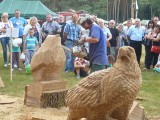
{"x":72,"y":30}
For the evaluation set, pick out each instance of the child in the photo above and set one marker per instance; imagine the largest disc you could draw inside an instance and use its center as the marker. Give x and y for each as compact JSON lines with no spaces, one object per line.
{"x":80,"y":65}
{"x":30,"y":46}
{"x":111,"y":60}
{"x":157,"y":66}
{"x":15,"y":56}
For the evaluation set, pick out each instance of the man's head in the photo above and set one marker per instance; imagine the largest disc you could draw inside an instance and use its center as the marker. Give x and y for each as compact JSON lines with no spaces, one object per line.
{"x":112,"y":24}
{"x":86,"y":24}
{"x":17,"y":13}
{"x":137,"y":22}
{"x":129,"y":23}
{"x":48,"y":17}
{"x":101,"y":22}
{"x":75,"y":18}
{"x":94,"y":18}
{"x":155,"y":19}
{"x":120,"y":27}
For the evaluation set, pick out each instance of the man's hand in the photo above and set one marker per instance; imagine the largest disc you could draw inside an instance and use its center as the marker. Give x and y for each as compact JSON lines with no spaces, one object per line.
{"x":117,"y":47}
{"x":81,"y":41}
{"x":19,"y":44}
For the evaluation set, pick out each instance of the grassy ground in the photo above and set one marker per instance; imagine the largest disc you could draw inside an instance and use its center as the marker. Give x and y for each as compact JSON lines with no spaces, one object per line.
{"x":150,"y":90}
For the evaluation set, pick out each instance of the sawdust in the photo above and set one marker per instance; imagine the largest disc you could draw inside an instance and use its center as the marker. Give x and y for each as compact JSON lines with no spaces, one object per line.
{"x":17,"y":111}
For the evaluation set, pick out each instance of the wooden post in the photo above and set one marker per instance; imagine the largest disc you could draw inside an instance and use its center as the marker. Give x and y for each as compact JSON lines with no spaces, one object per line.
{"x":11,"y":55}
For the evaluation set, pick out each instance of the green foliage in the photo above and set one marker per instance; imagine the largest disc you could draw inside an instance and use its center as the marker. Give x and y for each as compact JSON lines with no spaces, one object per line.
{"x":91,"y":6}
{"x":107,"y":9}
{"x":149,"y":8}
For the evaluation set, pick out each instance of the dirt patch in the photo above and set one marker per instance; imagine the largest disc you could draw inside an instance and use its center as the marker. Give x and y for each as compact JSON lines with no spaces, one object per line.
{"x":15,"y":110}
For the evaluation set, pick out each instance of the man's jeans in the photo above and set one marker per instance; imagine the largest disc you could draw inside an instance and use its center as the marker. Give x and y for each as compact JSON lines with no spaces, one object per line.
{"x":69,"y":57}
{"x":5,"y":41}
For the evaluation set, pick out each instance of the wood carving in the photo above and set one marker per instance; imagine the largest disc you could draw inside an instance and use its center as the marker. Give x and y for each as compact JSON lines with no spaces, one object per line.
{"x":107,"y":94}
{"x":49,"y":60}
{"x":48,"y":90}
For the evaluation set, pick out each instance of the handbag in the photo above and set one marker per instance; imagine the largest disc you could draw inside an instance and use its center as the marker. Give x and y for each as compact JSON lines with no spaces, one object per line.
{"x":155,"y":49}
{"x":146,"y":42}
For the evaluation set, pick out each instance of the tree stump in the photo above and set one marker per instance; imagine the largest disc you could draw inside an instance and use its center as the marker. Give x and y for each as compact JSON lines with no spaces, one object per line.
{"x":44,"y":94}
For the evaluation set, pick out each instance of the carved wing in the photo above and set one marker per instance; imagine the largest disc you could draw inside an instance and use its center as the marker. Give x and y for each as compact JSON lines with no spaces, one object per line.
{"x":87,"y":92}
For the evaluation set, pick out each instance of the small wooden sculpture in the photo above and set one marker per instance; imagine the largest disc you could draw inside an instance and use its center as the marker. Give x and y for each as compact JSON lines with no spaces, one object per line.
{"x":48,"y":90}
{"x":109,"y":92}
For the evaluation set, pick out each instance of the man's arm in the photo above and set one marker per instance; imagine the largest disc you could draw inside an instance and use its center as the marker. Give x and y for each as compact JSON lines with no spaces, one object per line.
{"x":109,"y":37}
{"x":118,"y":41}
{"x":157,"y":39}
{"x":24,"y":47}
{"x":64,"y":35}
{"x":91,"y":40}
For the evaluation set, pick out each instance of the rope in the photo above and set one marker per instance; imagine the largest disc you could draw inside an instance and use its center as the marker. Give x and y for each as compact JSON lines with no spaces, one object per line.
{"x":27,"y":8}
{"x":10,"y":6}
{"x":49,"y":11}
{"x":36,"y":8}
{"x":2,"y":4}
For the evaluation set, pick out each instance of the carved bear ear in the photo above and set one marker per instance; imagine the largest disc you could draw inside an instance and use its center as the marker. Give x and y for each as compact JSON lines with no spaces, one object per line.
{"x":130,"y":49}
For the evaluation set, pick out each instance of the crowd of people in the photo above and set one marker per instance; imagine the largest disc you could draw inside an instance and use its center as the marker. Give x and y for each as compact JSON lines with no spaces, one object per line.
{"x":102,"y":41}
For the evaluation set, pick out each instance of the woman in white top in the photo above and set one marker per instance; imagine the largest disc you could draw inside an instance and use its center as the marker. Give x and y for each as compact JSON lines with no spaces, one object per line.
{"x":35,"y":25}
{"x":5,"y":40}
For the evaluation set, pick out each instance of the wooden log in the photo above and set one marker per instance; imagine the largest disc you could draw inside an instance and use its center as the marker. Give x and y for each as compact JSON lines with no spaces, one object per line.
{"x":137,"y":112}
{"x":1,"y":83}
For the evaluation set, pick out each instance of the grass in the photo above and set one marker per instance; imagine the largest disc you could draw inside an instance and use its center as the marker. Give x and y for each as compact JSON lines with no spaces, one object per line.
{"x":150,"y":90}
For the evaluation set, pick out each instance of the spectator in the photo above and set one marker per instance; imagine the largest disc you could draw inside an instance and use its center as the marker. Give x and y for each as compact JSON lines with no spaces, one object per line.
{"x":129,"y":24}
{"x":80,"y":66}
{"x":19,"y":22}
{"x":121,"y":35}
{"x":71,"y":35}
{"x":157,"y":66}
{"x":84,"y":33}
{"x":111,"y":60}
{"x":15,"y":56}
{"x":135,"y":34}
{"x":49,"y":27}
{"x":5,"y":40}
{"x":61,"y":33}
{"x":107,"y":33}
{"x":155,"y":38}
{"x":30,"y":46}
{"x":156,"y":20}
{"x":115,"y":41}
{"x":97,"y":45}
{"x":35,"y":26}
{"x":148,"y":44}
